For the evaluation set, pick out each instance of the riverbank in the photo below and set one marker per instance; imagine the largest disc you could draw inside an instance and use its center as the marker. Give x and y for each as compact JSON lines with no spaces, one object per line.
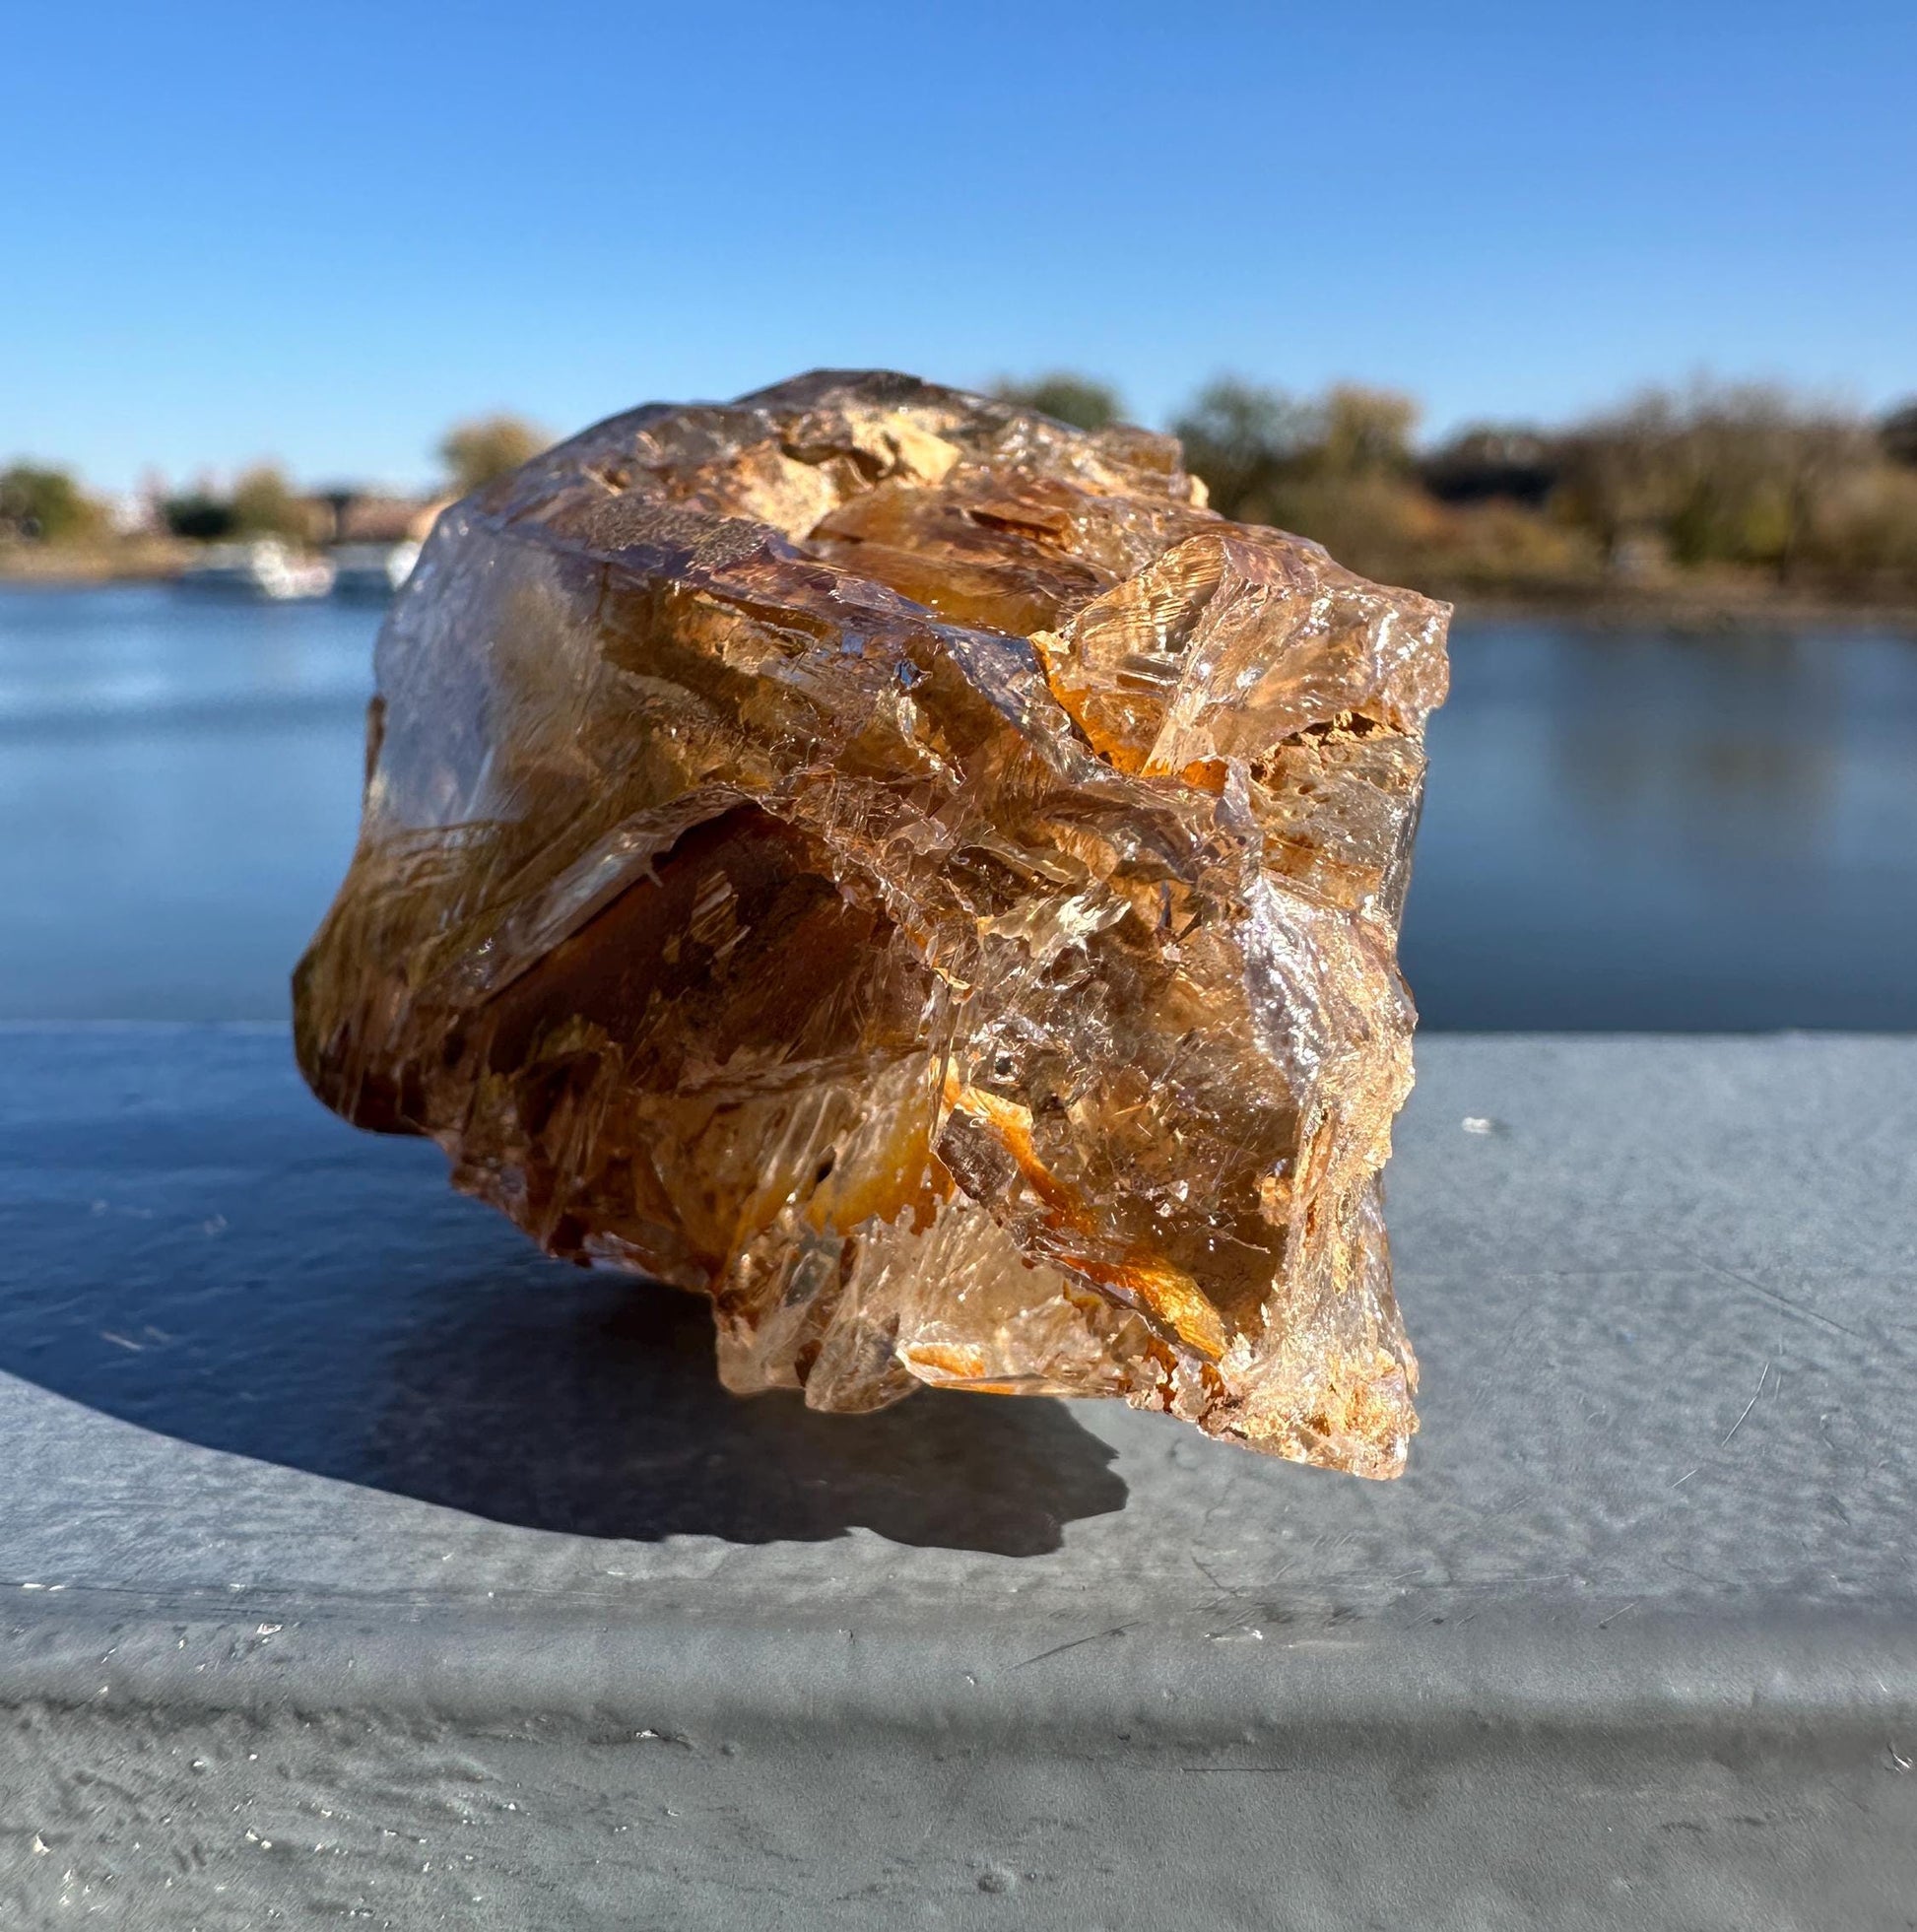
{"x":131,"y":560}
{"x":1700,"y":610}
{"x":1704,"y":603}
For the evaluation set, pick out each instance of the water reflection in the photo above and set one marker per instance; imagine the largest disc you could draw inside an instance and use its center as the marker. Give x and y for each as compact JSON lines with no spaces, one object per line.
{"x":1644,"y":829}
{"x":144,"y":654}
{"x":1625,"y":829}
{"x":1730,"y":754}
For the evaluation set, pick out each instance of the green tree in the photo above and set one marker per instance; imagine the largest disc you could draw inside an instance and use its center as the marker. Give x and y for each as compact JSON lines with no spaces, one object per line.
{"x":478,"y":451}
{"x":1362,"y":432}
{"x":1620,"y":473}
{"x":1079,"y":399}
{"x":264,"y":505}
{"x":1338,"y":467}
{"x":1720,"y":474}
{"x":1256,"y":447}
{"x":45,"y":505}
{"x":1246,"y":441}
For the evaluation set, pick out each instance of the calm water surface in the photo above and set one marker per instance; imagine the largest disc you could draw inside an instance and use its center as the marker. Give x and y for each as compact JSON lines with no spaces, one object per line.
{"x":1625,"y":828}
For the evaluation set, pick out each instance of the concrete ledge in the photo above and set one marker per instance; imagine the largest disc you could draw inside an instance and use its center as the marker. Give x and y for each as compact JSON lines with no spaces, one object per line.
{"x":356,"y":1560}
{"x":1156,"y":1685}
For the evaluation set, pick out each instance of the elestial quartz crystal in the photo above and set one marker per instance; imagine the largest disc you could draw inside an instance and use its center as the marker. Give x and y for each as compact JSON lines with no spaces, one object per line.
{"x":906,"y":868}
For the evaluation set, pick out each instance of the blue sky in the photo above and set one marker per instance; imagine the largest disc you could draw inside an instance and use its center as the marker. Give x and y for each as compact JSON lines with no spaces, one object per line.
{"x":229,"y":233}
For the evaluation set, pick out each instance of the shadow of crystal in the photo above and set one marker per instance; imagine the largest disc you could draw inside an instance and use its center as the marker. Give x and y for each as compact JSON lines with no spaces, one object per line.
{"x":599,"y":1413}
{"x":344,"y":1313}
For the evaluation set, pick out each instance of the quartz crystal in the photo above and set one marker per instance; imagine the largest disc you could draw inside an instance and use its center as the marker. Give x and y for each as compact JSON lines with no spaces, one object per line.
{"x":906,"y":868}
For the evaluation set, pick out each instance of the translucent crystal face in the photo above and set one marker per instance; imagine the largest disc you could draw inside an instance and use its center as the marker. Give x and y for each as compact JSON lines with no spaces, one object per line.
{"x":906,"y":868}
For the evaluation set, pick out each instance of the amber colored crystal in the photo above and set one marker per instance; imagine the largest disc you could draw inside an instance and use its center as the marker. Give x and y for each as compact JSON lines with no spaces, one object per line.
{"x":908,"y":869}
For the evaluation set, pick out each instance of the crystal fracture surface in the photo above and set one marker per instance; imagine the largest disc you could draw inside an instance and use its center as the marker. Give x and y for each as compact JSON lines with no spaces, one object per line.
{"x":907,"y":869}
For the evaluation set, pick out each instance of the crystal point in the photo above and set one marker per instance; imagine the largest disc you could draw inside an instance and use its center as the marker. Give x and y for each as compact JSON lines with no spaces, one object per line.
{"x":907,"y":869}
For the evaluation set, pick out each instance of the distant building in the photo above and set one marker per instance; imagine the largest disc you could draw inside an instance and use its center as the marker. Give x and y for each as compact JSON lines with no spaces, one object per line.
{"x":1516,"y":464}
{"x":368,"y":516}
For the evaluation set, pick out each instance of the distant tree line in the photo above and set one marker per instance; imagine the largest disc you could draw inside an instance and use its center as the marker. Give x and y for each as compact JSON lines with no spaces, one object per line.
{"x":261,"y":503}
{"x":1738,"y":482}
{"x":46,"y":505}
{"x":1726,"y":478}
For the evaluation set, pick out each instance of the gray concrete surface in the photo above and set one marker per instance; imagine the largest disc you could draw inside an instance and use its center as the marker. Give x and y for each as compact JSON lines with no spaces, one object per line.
{"x":357,"y":1564}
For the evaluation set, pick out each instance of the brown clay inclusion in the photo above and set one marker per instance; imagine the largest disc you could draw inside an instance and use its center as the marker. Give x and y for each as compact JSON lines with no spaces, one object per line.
{"x":906,"y":868}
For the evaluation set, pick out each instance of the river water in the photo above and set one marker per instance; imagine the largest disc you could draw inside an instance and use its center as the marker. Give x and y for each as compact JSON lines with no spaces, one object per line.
{"x":1625,"y":829}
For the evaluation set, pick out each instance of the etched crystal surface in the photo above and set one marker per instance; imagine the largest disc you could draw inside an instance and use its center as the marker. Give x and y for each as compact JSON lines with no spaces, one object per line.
{"x":906,"y":868}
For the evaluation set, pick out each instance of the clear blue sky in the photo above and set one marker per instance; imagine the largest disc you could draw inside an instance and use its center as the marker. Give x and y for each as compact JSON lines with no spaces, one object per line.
{"x":322,"y":232}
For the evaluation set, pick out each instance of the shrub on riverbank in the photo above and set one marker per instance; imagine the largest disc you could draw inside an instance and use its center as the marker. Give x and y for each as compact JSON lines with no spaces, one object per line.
{"x":1733,"y":486}
{"x":44,"y":504}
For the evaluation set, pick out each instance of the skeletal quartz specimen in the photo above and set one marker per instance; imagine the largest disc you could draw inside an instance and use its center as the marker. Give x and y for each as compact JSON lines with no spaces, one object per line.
{"x":907,"y":869}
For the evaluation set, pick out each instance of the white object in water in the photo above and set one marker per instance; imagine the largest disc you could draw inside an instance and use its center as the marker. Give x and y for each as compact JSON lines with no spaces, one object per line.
{"x":372,"y":569}
{"x":265,"y":568}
